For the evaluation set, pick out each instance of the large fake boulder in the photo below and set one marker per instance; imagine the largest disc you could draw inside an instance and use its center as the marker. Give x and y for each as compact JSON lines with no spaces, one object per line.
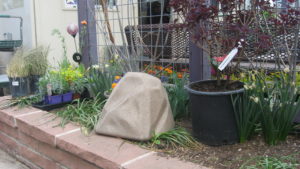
{"x":137,"y":109}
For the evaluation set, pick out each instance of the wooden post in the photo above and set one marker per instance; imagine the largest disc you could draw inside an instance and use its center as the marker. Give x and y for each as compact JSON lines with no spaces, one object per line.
{"x":199,"y":64}
{"x":88,"y":37}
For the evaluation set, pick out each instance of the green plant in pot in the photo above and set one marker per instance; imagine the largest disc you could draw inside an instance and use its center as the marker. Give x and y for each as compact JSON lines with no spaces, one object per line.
{"x":223,"y":30}
{"x":18,"y":73}
{"x":37,"y":62}
{"x":78,"y":87}
{"x":74,"y":78}
{"x":52,"y":86}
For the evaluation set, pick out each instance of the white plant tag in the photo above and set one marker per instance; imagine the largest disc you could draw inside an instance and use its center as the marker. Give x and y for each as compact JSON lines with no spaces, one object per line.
{"x":15,"y":83}
{"x":49,"y":89}
{"x":228,"y":58}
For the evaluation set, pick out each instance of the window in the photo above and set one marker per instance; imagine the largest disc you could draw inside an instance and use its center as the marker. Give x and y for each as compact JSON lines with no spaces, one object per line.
{"x":10,"y":4}
{"x":151,"y":12}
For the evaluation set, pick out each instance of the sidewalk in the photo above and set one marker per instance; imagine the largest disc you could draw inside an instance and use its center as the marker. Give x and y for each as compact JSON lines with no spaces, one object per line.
{"x":8,"y":162}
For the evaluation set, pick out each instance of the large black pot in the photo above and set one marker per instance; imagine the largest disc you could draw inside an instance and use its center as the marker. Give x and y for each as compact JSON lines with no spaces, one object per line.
{"x":213,"y":117}
{"x":19,"y":86}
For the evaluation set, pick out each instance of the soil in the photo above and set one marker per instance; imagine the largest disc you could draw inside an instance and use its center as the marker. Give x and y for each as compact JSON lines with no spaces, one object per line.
{"x":212,"y":86}
{"x":234,"y":156}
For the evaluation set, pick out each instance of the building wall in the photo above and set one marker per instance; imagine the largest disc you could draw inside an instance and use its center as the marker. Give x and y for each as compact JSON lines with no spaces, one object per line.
{"x":52,"y":15}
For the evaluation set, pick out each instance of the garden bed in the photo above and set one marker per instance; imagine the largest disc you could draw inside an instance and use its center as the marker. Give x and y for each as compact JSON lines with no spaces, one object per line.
{"x":234,"y":156}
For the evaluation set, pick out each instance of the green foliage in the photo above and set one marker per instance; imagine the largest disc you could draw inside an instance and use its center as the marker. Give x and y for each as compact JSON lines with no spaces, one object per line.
{"x":178,"y":97}
{"x":27,"y":100}
{"x":284,"y":162}
{"x":279,"y":108}
{"x":36,"y":60}
{"x":78,"y":85}
{"x":174,"y":138}
{"x":21,"y":101}
{"x":18,"y":67}
{"x":247,"y":113}
{"x":99,"y":81}
{"x":85,"y":112}
{"x":277,"y":103}
{"x":52,"y":83}
{"x":63,"y":80}
{"x":28,"y":62}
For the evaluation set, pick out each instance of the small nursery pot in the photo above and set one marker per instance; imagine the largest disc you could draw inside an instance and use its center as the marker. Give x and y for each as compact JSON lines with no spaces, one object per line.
{"x":67,"y":97}
{"x":76,"y":96}
{"x":56,"y":99}
{"x":34,"y":79}
{"x":19,"y":86}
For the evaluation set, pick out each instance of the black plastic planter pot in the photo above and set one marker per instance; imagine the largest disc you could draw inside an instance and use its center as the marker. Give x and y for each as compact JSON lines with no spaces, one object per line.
{"x":213,"y":117}
{"x":34,"y":79}
{"x":19,"y":86}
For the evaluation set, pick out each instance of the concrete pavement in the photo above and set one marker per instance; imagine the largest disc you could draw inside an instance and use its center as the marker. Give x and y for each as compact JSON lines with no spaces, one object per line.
{"x":8,"y":162}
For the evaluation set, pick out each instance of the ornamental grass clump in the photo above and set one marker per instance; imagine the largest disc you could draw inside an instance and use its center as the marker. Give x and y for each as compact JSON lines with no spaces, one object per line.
{"x":37,"y":61}
{"x":268,"y":101}
{"x":29,"y":62}
{"x":85,"y":112}
{"x":278,"y":105}
{"x":100,"y":81}
{"x":279,"y":108}
{"x":177,"y":137}
{"x":246,"y":108}
{"x":18,"y":67}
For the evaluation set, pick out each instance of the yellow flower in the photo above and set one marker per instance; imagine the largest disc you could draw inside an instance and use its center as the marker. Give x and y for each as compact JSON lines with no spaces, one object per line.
{"x":117,"y":77}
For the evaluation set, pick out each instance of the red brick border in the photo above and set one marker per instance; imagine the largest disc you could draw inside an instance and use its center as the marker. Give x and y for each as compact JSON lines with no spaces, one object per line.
{"x":29,"y":135}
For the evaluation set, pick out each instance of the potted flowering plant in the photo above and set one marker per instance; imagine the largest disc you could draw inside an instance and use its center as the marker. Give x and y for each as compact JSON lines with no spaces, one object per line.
{"x":226,"y":29}
{"x":51,"y":87}
{"x":74,"y":81}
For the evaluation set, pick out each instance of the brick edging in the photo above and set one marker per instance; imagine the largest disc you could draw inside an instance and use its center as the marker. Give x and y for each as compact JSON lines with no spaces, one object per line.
{"x":29,"y":135}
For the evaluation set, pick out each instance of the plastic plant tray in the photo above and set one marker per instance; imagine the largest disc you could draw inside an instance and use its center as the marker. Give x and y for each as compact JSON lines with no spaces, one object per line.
{"x":47,"y":107}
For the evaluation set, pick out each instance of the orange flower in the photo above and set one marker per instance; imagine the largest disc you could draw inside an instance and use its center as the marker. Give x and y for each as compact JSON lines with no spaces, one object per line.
{"x":151,"y":72}
{"x":84,"y":22}
{"x":113,"y":85}
{"x":179,"y":75}
{"x":117,"y":77}
{"x":159,"y":67}
{"x":169,"y":71}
